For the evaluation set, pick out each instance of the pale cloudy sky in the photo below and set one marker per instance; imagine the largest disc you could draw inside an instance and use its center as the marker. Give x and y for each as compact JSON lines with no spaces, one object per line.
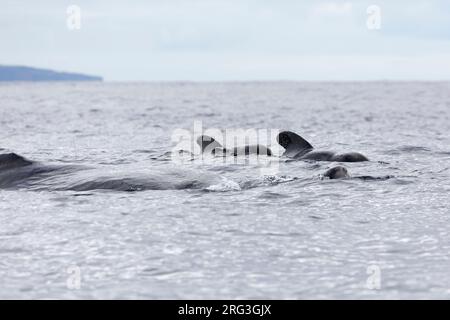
{"x":219,"y":40}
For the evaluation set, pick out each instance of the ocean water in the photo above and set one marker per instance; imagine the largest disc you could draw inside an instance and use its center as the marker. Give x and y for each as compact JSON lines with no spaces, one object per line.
{"x":103,"y":208}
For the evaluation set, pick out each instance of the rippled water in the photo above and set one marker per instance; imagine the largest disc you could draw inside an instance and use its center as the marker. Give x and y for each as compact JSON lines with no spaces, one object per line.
{"x":104,"y":199}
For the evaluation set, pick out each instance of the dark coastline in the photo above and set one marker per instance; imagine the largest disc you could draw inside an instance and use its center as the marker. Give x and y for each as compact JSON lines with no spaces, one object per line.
{"x":22,"y":73}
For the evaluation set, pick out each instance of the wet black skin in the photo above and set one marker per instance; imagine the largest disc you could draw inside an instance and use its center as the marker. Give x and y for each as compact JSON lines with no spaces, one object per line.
{"x":338,"y":172}
{"x":298,"y":148}
{"x":209,"y":145}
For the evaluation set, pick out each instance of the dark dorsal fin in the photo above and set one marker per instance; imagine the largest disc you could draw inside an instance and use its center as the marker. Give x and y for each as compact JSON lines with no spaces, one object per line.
{"x":207,"y":143}
{"x":10,"y":160}
{"x":293,"y":143}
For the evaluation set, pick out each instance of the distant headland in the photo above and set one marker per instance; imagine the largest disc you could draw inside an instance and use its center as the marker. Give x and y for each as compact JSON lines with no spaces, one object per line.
{"x":22,"y":73}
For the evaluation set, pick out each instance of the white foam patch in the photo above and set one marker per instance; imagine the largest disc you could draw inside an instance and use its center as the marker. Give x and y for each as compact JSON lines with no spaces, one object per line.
{"x":225,"y":185}
{"x":273,"y":180}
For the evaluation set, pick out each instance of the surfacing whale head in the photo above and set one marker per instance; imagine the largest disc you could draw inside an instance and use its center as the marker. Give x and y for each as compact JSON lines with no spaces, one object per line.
{"x":338,"y":172}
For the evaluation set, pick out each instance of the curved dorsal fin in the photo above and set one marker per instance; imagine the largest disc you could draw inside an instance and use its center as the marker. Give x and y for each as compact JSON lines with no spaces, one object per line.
{"x":207,"y":143}
{"x":293,"y":143}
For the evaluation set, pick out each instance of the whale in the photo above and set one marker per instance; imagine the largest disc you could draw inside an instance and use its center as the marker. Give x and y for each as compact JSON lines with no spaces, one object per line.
{"x":298,"y":148}
{"x":210,"y":145}
{"x":17,"y":172}
{"x":338,"y":172}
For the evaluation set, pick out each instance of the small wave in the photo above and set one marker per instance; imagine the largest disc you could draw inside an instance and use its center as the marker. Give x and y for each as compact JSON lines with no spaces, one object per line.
{"x":178,"y":156}
{"x":372,"y":178}
{"x":224,"y":185}
{"x":113,"y":184}
{"x":145,"y":151}
{"x":206,"y":114}
{"x":444,"y":153}
{"x":272,"y":195}
{"x":274,"y":180}
{"x":266,"y":181}
{"x":443,"y":170}
{"x":414,"y":149}
{"x":408,"y":149}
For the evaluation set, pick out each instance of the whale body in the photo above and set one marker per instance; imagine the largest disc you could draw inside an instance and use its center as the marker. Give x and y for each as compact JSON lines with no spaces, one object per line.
{"x":210,"y":145}
{"x":298,"y":148}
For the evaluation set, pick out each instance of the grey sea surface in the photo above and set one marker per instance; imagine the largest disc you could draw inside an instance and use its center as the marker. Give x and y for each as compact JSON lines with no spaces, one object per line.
{"x":103,"y":208}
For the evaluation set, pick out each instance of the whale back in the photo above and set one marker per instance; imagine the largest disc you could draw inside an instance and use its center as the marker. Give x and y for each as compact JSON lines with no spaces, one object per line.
{"x":350,"y":157}
{"x":12,"y":160}
{"x":293,"y":143}
{"x":258,"y":149}
{"x":207,"y":143}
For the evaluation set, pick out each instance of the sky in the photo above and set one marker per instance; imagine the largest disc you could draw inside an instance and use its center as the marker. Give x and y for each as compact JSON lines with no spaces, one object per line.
{"x":230,"y":40}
